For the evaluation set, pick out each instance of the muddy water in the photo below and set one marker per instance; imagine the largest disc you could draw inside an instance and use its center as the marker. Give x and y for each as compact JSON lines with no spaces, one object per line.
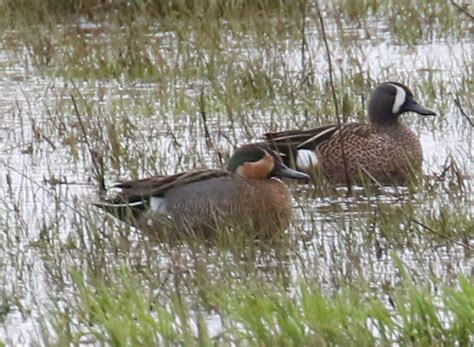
{"x":45,"y":184}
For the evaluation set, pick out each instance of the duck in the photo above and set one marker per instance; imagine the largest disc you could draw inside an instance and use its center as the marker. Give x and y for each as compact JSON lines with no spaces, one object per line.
{"x":385,"y":150}
{"x":248,"y":195}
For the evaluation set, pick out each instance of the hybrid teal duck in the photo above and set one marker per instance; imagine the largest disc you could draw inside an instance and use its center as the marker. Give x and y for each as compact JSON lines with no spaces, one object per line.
{"x":246,"y":195}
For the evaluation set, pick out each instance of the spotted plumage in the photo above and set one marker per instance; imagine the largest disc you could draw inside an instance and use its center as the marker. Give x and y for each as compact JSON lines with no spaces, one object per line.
{"x":247,"y":195}
{"x":384,"y":150}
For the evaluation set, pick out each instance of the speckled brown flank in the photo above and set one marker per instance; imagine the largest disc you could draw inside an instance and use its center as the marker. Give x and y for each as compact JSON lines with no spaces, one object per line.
{"x":390,"y":155}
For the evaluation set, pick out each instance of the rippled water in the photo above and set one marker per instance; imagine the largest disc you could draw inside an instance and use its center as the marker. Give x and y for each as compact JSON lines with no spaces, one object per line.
{"x":34,"y":153}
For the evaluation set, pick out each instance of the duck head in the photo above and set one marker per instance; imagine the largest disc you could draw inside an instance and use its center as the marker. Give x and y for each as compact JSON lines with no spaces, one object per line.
{"x":391,"y":99}
{"x":255,"y":161}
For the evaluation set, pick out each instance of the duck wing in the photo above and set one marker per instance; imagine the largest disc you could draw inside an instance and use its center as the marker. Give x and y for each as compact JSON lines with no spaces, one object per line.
{"x":158,"y":185}
{"x":292,"y":140}
{"x":288,"y":143}
{"x":135,"y":195}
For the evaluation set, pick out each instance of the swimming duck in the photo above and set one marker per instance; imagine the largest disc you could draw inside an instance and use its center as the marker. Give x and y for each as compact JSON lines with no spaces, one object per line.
{"x":385,"y":150}
{"x":246,"y":195}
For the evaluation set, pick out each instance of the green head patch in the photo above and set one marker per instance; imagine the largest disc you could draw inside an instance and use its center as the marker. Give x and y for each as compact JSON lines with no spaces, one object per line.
{"x":245,"y":154}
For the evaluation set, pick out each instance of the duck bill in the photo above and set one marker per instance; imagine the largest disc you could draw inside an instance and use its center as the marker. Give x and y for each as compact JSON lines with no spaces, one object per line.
{"x":281,"y":170}
{"x":413,"y":106}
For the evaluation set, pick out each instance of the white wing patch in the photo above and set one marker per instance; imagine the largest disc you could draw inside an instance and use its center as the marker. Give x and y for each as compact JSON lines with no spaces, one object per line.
{"x":305,"y":159}
{"x":158,"y":205}
{"x":399,"y":99}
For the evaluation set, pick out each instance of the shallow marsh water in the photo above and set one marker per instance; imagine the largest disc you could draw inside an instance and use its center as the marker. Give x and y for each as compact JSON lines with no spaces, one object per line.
{"x":144,"y":127}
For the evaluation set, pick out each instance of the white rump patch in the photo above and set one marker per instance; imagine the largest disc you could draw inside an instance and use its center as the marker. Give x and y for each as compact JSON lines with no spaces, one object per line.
{"x":305,"y":159}
{"x":399,"y":99}
{"x":158,"y":205}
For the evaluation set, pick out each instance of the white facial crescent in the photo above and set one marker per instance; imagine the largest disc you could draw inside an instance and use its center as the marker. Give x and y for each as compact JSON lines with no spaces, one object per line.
{"x":399,"y":99}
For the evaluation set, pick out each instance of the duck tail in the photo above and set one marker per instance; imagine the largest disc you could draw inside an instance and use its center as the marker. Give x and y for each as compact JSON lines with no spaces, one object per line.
{"x":123,"y":209}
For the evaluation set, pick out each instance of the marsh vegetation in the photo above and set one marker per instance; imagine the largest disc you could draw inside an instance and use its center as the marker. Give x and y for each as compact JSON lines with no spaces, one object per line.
{"x":154,"y":88}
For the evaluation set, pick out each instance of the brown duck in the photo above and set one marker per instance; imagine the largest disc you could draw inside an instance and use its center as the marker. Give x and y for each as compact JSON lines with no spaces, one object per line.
{"x":385,"y":150}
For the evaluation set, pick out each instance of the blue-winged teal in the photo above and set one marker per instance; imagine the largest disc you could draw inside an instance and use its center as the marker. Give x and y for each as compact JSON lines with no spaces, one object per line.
{"x":248,"y":195}
{"x":385,"y":149}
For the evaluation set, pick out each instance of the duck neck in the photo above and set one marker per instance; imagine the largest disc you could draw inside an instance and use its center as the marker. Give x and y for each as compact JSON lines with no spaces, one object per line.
{"x":384,"y":121}
{"x":395,"y":129}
